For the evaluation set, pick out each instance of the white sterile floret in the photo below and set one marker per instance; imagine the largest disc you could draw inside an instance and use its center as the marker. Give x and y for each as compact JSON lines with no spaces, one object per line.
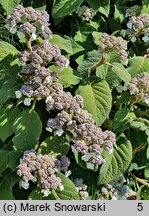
{"x":45,"y":192}
{"x":24,"y":184}
{"x":18,"y":94}
{"x":68,"y":173}
{"x":110,"y":151}
{"x":19,"y":173}
{"x":87,"y":156}
{"x":90,"y":165}
{"x":49,"y":98}
{"x":61,"y":187}
{"x":48,"y":79}
{"x":67,"y":63}
{"x":59,"y":132}
{"x":129,"y":25}
{"x":70,"y":122}
{"x":114,"y":198}
{"x":146,"y":100}
{"x":49,"y":129}
{"x":133,"y":39}
{"x":27,"y":102}
{"x":33,"y":37}
{"x":145,"y":38}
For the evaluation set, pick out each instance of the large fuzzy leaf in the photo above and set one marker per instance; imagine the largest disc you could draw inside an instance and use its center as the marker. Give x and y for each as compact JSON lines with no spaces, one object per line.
{"x":62,"y":8}
{"x":122,"y":119}
{"x":117,"y":162}
{"x":3,"y":160}
{"x":92,"y":58}
{"x":7,"y":117}
{"x":8,"y":89}
{"x":9,"y":5}
{"x":121,"y":72}
{"x":54,"y":145}
{"x":40,"y":5}
{"x":27,"y":128}
{"x":137,"y":65}
{"x":5,"y":191}
{"x":97,"y":98}
{"x":101,"y":6}
{"x":69,"y":192}
{"x":8,"y":63}
{"x":68,"y":77}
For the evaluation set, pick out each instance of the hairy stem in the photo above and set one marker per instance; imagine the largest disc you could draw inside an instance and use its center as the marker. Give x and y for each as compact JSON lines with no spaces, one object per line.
{"x":93,"y":67}
{"x":142,"y":181}
{"x":28,"y":42}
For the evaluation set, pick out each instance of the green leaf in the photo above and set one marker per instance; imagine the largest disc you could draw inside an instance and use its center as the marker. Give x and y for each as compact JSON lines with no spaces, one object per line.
{"x":96,"y":37}
{"x":97,"y":98}
{"x":75,"y":46}
{"x":67,"y":77}
{"x":105,"y":7}
{"x":62,"y":8}
{"x":84,"y":33}
{"x":122,"y":119}
{"x":138,"y":65}
{"x":7,"y":117}
{"x":8,"y":89}
{"x":102,"y":71}
{"x":3,"y":160}
{"x":146,"y":172}
{"x":54,"y":145}
{"x":40,"y":5}
{"x":121,"y":72}
{"x":5,"y":191}
{"x":6,"y":49}
{"x":101,"y":6}
{"x":27,"y":128}
{"x":64,"y":44}
{"x":140,"y":123}
{"x":119,"y":13}
{"x":94,"y":4}
{"x":78,"y":159}
{"x":8,"y":62}
{"x":92,"y":58}
{"x":69,"y":192}
{"x":145,"y":7}
{"x":14,"y":159}
{"x":117,"y":162}
{"x":143,"y":192}
{"x":147,"y":153}
{"x":37,"y":195}
{"x":9,"y":5}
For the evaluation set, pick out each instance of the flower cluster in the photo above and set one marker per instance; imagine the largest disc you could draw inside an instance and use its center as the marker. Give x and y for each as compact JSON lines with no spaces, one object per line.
{"x":41,"y":169}
{"x":28,"y":23}
{"x":138,"y":26}
{"x":81,"y":188}
{"x":85,"y":12}
{"x":89,"y":140}
{"x":111,"y":43}
{"x":139,"y":88}
{"x":42,"y":83}
{"x":133,"y":11}
{"x":116,"y":190}
{"x":39,"y":80}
